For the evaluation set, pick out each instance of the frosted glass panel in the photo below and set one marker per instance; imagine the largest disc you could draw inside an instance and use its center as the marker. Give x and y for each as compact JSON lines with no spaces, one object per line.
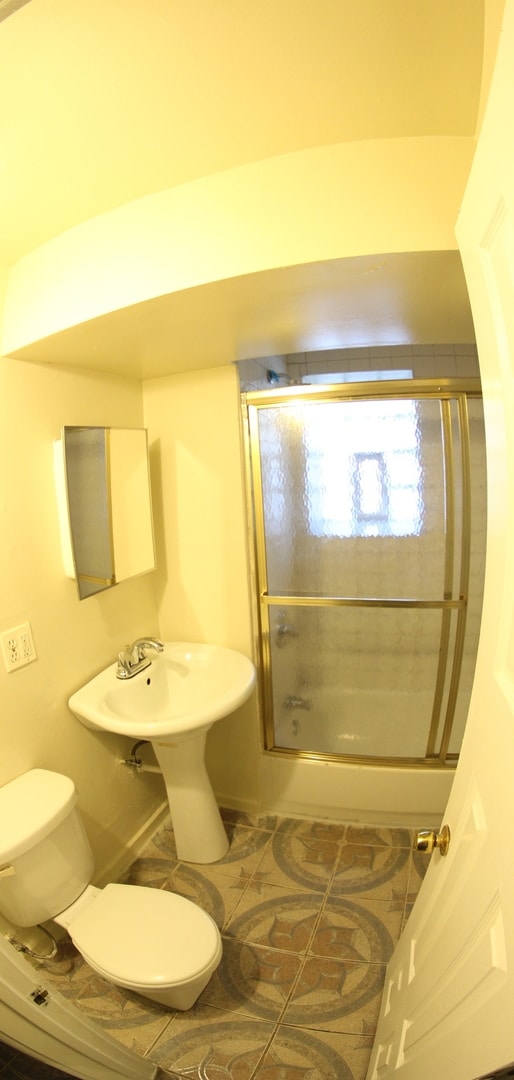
{"x":367,"y":481}
{"x":370,"y":618}
{"x":356,"y":681}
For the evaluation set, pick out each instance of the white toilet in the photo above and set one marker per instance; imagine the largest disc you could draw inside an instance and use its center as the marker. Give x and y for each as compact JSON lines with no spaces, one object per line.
{"x":150,"y":941}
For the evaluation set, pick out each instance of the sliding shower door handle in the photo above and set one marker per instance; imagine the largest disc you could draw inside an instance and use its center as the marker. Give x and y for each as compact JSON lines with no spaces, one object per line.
{"x":427,"y":840}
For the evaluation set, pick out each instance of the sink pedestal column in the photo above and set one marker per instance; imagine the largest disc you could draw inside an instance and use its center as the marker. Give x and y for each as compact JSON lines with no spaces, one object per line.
{"x":199,"y":831}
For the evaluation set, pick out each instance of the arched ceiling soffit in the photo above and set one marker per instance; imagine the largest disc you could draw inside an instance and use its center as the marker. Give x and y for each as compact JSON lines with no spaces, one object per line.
{"x":104,"y":103}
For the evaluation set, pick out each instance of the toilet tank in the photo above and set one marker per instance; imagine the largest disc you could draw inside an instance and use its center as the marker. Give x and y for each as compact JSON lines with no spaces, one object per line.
{"x":45,"y":857}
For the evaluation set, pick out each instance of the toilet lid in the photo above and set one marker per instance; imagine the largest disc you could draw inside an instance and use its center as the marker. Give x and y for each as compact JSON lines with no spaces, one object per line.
{"x":145,"y":936}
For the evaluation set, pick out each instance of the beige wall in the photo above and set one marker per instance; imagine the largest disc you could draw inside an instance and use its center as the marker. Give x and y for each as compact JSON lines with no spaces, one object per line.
{"x":73,"y":639}
{"x":201,"y":582}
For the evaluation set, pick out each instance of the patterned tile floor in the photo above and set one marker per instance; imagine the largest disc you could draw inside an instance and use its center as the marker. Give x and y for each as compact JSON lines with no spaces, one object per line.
{"x":310,"y":913}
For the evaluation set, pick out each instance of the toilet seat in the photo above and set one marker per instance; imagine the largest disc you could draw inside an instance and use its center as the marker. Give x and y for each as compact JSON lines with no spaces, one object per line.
{"x":139,"y":936}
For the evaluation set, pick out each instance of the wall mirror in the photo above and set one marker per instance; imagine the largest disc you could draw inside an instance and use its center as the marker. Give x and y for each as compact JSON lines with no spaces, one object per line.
{"x":107,"y":483}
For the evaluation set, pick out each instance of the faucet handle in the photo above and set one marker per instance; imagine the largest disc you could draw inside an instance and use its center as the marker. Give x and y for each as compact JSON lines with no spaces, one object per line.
{"x":133,"y":659}
{"x":125,"y":661}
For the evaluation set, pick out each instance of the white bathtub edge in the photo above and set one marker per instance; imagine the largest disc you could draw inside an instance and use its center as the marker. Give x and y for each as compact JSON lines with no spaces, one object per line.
{"x":378,"y":795}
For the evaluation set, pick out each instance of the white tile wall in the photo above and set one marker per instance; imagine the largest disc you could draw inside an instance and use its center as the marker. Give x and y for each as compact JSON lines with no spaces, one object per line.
{"x":426,"y":362}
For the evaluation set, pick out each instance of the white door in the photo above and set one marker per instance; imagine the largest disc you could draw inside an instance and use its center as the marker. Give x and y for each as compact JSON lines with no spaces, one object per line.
{"x":37,"y":1020}
{"x":448,"y":1005}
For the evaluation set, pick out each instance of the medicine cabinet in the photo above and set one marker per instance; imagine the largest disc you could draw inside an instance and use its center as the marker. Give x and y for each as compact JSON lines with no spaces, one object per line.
{"x":107,"y":485}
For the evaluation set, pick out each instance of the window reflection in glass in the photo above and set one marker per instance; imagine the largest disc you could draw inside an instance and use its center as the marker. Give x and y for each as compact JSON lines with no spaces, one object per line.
{"x":363,"y":469}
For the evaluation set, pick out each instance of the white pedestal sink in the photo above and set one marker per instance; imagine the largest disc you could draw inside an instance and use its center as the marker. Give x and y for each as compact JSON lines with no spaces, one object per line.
{"x":173,"y":703}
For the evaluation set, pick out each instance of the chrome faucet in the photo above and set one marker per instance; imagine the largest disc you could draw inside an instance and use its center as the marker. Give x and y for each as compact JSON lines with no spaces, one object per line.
{"x":133,"y":659}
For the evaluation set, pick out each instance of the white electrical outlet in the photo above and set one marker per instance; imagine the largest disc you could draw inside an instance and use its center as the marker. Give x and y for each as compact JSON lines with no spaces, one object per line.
{"x":18,"y":646}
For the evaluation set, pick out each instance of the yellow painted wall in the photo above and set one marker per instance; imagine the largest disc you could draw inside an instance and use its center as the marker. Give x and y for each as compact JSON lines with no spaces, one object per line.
{"x":73,"y":639}
{"x":202,"y":582}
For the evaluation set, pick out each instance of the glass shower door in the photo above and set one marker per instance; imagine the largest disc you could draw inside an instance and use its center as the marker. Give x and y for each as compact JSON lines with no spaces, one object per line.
{"x":363,"y":528}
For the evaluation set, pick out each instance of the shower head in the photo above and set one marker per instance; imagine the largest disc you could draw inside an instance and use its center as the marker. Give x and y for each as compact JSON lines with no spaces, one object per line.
{"x":275,"y":377}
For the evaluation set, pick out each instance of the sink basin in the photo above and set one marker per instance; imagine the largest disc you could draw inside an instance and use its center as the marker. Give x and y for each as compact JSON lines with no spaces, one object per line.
{"x":186,"y":687}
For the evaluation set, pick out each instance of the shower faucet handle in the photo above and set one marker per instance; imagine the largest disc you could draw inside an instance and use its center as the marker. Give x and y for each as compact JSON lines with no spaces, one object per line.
{"x":293,"y":702}
{"x":284,"y":631}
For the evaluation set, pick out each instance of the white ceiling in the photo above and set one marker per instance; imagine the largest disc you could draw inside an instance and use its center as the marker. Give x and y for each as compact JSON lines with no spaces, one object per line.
{"x":343,"y":303}
{"x":107,"y":101}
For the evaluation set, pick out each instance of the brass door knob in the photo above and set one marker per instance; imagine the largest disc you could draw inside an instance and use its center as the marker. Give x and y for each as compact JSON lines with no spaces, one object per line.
{"x":427,"y":840}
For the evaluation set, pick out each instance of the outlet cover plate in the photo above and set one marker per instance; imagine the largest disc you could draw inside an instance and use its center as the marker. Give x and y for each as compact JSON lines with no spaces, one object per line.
{"x":18,"y":647}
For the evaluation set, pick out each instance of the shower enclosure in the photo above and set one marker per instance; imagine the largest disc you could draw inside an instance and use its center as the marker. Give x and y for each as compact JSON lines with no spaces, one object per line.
{"x":369,"y":526}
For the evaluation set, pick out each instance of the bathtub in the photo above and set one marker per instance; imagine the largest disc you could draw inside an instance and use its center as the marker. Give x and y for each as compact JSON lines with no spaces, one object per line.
{"x":301,"y":784}
{"x":365,"y":794}
{"x":366,"y":723}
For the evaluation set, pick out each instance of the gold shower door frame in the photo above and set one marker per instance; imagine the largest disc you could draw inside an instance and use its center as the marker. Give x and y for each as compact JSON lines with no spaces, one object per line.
{"x":446,"y":391}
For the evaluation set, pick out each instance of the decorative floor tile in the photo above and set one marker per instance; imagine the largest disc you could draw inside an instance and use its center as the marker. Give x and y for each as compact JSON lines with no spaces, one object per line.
{"x":310,"y":913}
{"x":302,"y":853}
{"x":247,"y":845}
{"x":132,"y":1019}
{"x":140,"y":1039}
{"x":364,"y":930}
{"x":281,"y":920}
{"x":375,"y":834}
{"x":215,"y":893}
{"x":152,"y":872}
{"x":255,"y":882}
{"x":301,"y":1054}
{"x":373,"y":870}
{"x":246,"y":849}
{"x":252,"y":981}
{"x":208,"y":1046}
{"x":66,"y":970}
{"x":120,"y":1011}
{"x":336,"y":995}
{"x":256,"y":821}
{"x":163,"y":843}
